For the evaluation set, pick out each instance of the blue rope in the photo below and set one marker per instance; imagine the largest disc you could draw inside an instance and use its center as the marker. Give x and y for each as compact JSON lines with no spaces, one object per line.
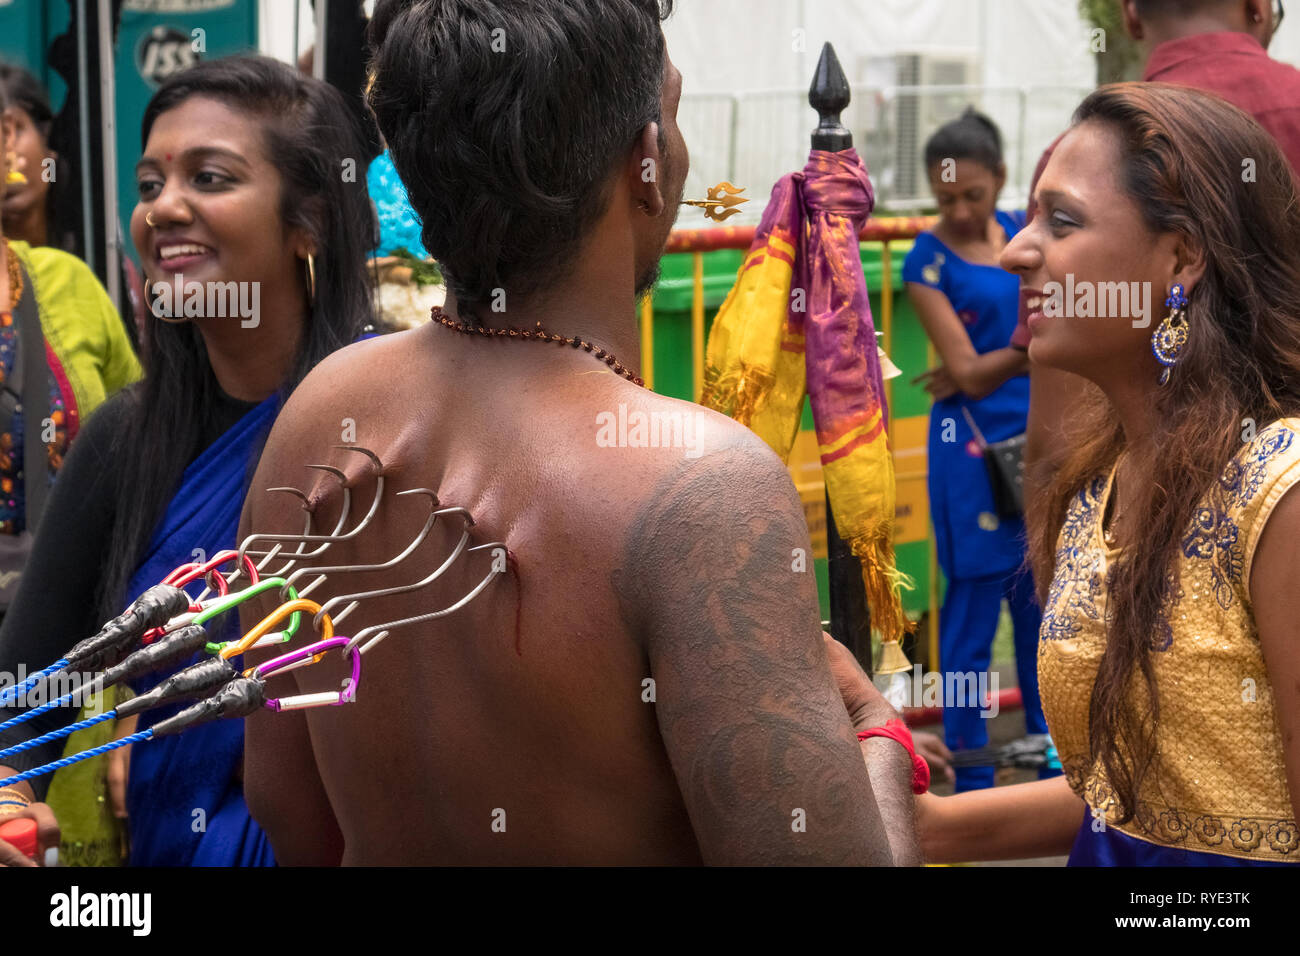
{"x":10,"y":694}
{"x":49,"y":704}
{"x":69,"y":761}
{"x":56,"y":734}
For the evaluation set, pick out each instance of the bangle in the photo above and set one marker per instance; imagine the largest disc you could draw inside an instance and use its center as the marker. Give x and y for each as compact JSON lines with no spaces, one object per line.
{"x":896,"y":730}
{"x":13,"y":792}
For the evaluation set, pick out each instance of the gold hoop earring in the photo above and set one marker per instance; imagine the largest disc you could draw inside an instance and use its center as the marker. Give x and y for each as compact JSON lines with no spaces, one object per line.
{"x":151,"y":304}
{"x":311,"y":278}
{"x":148,"y":219}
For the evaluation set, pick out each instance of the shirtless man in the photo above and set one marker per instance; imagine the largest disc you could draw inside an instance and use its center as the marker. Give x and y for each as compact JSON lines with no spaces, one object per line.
{"x":649,"y":683}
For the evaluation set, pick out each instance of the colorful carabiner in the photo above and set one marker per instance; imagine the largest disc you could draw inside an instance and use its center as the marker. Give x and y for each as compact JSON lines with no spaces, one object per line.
{"x":264,"y":626}
{"x":304,"y":657}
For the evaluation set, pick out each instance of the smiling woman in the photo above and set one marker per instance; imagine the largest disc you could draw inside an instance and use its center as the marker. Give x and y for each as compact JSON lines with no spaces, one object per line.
{"x":1171,"y":533}
{"x":245,"y":220}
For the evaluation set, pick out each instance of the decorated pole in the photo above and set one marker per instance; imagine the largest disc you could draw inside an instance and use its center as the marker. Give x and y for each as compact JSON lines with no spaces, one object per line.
{"x":850,"y":613}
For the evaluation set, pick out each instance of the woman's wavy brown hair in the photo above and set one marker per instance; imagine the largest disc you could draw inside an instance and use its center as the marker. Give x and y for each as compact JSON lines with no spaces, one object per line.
{"x":1199,"y":167}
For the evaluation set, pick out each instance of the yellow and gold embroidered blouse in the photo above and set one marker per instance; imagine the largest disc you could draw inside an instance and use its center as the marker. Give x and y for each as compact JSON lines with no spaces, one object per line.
{"x":1218,"y":784}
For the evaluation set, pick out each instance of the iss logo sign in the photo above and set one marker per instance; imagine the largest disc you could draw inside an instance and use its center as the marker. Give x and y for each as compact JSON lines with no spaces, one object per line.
{"x":162,"y":52}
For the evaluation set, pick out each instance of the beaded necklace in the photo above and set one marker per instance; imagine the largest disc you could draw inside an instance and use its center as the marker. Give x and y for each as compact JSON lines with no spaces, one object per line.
{"x":537,"y":334}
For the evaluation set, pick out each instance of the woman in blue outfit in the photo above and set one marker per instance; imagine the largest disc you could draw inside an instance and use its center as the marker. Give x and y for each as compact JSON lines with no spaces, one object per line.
{"x":968,"y":306}
{"x":241,"y":181}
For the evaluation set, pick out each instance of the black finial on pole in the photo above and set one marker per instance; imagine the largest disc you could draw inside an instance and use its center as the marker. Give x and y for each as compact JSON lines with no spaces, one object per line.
{"x":829,"y":96}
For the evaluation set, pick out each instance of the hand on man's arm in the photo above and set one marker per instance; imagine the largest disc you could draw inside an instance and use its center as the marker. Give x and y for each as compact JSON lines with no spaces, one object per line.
{"x":888,"y":762}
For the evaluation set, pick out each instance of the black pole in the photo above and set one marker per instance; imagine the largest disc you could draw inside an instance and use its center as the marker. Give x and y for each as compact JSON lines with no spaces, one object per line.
{"x":345,"y":63}
{"x":850,"y":613}
{"x":78,"y":224}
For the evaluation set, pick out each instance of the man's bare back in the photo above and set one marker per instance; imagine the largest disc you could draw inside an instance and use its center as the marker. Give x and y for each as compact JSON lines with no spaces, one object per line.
{"x":646,"y":681}
{"x":609,"y":693}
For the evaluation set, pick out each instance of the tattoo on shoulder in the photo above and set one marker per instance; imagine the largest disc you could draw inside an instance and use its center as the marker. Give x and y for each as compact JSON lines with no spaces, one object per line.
{"x":755,"y":728}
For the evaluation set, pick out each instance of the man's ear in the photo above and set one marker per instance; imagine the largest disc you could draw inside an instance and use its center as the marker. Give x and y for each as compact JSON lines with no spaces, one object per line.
{"x":1132,"y":22}
{"x":645,"y":171}
{"x":1259,"y":21}
{"x":1000,"y":177}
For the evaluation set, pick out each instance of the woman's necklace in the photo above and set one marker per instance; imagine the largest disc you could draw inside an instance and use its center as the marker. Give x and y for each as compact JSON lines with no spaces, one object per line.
{"x":15,"y":276}
{"x":540,"y":335}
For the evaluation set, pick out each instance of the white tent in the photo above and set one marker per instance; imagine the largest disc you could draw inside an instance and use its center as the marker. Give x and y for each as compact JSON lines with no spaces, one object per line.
{"x":913,"y":64}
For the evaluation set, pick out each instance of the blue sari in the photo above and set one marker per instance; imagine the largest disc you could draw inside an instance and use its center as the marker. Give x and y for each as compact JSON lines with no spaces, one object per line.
{"x":185,"y":796}
{"x":987,"y":301}
{"x":1110,"y":847}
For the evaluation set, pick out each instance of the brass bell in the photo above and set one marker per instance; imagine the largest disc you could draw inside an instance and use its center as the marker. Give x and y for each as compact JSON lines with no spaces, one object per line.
{"x":892,"y":658}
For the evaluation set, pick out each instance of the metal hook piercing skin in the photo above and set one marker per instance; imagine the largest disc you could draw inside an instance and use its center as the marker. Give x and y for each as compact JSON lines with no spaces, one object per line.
{"x":288,"y":584}
{"x":306,"y":507}
{"x":404,"y":588}
{"x":299,"y":554}
{"x":306,"y":530}
{"x":383,"y":629}
{"x":325,"y":538}
{"x":239,"y":569}
{"x":346,"y":568}
{"x":359,"y":596}
{"x":330,"y":539}
{"x":301,"y":539}
{"x":269,"y":555}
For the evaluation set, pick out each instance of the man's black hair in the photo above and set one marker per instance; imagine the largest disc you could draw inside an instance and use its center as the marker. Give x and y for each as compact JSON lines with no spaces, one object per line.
{"x":505,"y":119}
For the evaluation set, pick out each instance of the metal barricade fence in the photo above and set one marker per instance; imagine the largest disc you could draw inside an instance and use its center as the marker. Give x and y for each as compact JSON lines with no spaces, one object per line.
{"x":759,"y":136}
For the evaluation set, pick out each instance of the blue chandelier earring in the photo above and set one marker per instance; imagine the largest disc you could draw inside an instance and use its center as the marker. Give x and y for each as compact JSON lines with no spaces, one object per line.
{"x":1171,"y":335}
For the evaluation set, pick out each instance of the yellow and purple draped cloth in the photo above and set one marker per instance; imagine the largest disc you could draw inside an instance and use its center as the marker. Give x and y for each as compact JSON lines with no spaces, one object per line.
{"x":798,"y":322}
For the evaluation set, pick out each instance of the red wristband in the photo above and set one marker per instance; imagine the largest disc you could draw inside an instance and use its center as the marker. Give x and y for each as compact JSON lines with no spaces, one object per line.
{"x":895,"y":729}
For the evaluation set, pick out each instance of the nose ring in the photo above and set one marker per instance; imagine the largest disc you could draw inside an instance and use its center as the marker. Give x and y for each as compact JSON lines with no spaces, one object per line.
{"x":148,"y":218}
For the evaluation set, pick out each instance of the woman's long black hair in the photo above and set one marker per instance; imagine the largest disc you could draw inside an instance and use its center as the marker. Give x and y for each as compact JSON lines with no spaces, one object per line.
{"x":311,"y":134}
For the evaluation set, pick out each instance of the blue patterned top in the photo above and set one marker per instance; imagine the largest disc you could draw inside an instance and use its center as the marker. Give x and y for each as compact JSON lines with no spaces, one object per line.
{"x":971,"y":539}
